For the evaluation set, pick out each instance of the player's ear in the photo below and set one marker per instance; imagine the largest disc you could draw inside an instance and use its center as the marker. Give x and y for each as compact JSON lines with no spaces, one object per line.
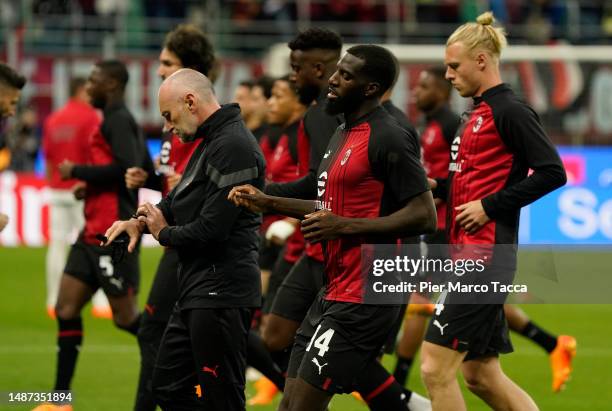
{"x":319,"y":69}
{"x":372,"y":89}
{"x":190,"y":102}
{"x":482,"y":59}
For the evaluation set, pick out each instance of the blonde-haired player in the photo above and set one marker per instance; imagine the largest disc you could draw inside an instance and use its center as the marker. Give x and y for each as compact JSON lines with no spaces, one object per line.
{"x":488,"y":184}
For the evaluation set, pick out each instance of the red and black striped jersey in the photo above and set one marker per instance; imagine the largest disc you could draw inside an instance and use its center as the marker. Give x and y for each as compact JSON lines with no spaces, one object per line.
{"x":116,"y":146}
{"x":370,"y":169}
{"x":500,"y":141}
{"x":436,"y":141}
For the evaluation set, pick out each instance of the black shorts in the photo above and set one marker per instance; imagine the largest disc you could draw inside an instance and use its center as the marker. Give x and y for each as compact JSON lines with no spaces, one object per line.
{"x":337,"y":340}
{"x":205,"y":346}
{"x":93,"y":265}
{"x":279,"y":273}
{"x":299,"y":289}
{"x":479,"y":329}
{"x":164,"y":290}
{"x":268,"y":253}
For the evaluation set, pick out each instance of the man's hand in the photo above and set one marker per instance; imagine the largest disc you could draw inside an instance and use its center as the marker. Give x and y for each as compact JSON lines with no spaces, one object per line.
{"x":433,"y":184}
{"x":250,"y":198}
{"x":133,"y":228}
{"x":4,"y":219}
{"x":135,"y":177}
{"x":153,"y":217}
{"x":79,"y":190}
{"x":471,"y":216}
{"x":65,"y":169}
{"x":172,"y":180}
{"x":323,"y":225}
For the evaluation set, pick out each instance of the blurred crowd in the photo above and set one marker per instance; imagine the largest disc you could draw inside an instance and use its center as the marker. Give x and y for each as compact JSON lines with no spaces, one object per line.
{"x":577,"y":21}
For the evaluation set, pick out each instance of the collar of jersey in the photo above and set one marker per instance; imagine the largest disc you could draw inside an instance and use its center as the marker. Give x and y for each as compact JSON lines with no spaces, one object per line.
{"x":362,"y":119}
{"x":219,"y":118}
{"x":491,"y":92}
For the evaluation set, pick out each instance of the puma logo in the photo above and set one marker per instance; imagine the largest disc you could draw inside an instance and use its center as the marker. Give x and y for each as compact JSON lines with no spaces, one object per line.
{"x":440,"y":326}
{"x":212,"y":371}
{"x":117,"y":282}
{"x":316,"y":362}
{"x":327,"y":154}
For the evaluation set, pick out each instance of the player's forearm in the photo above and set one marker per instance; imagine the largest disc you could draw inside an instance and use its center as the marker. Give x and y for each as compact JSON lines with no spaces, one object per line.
{"x":303,"y":188}
{"x":290,"y":207}
{"x":106,"y":174}
{"x":513,"y":198}
{"x":416,"y":218}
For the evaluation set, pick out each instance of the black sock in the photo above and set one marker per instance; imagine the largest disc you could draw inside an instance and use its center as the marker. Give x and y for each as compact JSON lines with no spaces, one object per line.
{"x":69,"y":339}
{"x":259,"y":358}
{"x":133,"y":328}
{"x":540,"y":337}
{"x":402,"y":370}
{"x":380,"y":390}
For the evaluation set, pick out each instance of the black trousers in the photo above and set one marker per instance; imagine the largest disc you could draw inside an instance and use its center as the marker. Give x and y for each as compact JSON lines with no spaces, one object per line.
{"x":157,"y":312}
{"x":206,"y":347}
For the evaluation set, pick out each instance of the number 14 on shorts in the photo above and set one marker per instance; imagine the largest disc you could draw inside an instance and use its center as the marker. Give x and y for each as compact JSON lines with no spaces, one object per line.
{"x":322,"y":341}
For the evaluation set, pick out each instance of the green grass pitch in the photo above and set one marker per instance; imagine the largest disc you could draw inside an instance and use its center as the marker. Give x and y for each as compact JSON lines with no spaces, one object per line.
{"x":108,"y":365}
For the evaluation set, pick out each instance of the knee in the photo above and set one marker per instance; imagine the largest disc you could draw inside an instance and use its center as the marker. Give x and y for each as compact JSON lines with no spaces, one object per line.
{"x":477,"y":382}
{"x":123,"y":321}
{"x":435,"y":374}
{"x":66,"y":311}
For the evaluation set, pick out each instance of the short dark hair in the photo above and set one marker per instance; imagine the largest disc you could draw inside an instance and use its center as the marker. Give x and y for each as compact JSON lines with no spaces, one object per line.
{"x":316,"y":38}
{"x":266,"y":83}
{"x":115,"y":69}
{"x":75,"y":84}
{"x":439,"y":73}
{"x":379,"y":64}
{"x":9,"y":77}
{"x":192,"y":47}
{"x":246,"y":83}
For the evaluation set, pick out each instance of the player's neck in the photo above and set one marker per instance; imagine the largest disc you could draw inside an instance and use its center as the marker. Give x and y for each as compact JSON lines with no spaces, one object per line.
{"x":489,"y":81}
{"x":113,"y":100}
{"x":365,"y":107}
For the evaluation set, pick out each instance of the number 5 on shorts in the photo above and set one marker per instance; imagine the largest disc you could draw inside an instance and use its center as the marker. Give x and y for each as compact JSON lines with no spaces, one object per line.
{"x":106,"y":264}
{"x":321,"y":342}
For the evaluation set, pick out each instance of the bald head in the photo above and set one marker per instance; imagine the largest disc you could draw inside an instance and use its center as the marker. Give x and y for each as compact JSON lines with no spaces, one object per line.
{"x":186,"y":100}
{"x":186,"y":81}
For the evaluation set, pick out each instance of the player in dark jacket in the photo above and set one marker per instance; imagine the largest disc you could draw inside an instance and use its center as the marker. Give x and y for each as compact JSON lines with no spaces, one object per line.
{"x":219,"y":283}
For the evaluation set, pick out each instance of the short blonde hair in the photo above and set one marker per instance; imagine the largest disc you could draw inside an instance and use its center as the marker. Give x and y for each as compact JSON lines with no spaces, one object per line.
{"x":481,"y":36}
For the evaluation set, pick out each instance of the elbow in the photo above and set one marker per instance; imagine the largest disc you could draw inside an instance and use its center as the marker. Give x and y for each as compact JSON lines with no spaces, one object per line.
{"x":430,"y":223}
{"x":560,"y":178}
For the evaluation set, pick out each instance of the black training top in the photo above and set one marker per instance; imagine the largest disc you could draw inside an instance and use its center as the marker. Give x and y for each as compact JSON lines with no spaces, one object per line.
{"x":217,"y":242}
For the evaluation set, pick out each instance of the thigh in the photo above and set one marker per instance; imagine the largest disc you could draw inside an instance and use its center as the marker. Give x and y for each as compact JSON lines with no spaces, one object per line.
{"x":346,"y":337}
{"x":73,"y":295}
{"x":174,"y":366}
{"x":281,"y":268}
{"x":82,"y":264}
{"x":119,"y":276}
{"x":298,"y":290}
{"x":478,"y":329}
{"x":218,"y":341}
{"x":164,"y":290}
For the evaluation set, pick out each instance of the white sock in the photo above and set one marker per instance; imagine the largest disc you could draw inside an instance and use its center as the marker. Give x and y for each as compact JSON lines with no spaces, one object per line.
{"x":419,"y":403}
